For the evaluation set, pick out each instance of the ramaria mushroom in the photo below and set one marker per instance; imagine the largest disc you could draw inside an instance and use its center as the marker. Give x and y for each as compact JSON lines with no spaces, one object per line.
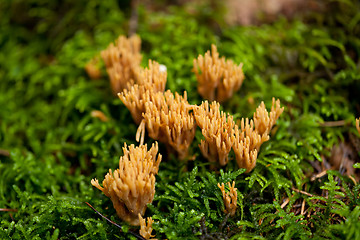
{"x":132,"y":186}
{"x":217,"y":127}
{"x":253,"y":133}
{"x":152,"y":77}
{"x":134,"y":99}
{"x":122,"y":61}
{"x":229,"y":198}
{"x":217,"y":78}
{"x":263,"y":120}
{"x":247,"y":143}
{"x":358,"y":124}
{"x":149,"y":81}
{"x":146,"y":228}
{"x":221,"y":133}
{"x":168,"y":120}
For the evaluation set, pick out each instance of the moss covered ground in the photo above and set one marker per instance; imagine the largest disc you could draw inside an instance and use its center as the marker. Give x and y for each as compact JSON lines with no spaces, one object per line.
{"x":305,"y":184}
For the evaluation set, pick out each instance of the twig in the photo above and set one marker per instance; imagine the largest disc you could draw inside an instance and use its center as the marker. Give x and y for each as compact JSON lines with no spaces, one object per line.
{"x":319,"y":175}
{"x":224,"y":221}
{"x":303,"y":207}
{"x":8,"y":210}
{"x":352,"y":179}
{"x":333,"y":123}
{"x":134,"y":17}
{"x":287,"y":200}
{"x":4,"y":152}
{"x":114,"y":223}
{"x":302,"y":192}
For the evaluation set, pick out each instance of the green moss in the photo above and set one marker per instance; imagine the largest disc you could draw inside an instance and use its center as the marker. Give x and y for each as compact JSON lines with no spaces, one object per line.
{"x":51,"y":147}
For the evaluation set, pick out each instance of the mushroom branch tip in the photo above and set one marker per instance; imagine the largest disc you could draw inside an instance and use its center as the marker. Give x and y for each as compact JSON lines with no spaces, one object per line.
{"x":252,"y":134}
{"x":149,"y":82}
{"x":152,"y":77}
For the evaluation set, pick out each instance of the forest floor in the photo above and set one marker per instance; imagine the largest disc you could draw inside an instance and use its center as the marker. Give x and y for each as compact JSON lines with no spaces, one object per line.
{"x":306,"y":180}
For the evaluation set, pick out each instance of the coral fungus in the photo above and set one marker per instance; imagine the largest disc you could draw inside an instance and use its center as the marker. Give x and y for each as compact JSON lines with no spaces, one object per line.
{"x":248,"y":139}
{"x":230,"y":198}
{"x":218,"y":78}
{"x":134,"y":99}
{"x":221,"y":133}
{"x":217,"y":128}
{"x":132,"y":186}
{"x":146,"y":228}
{"x":168,"y":120}
{"x":152,"y":77}
{"x":149,"y":81}
{"x":122,"y":61}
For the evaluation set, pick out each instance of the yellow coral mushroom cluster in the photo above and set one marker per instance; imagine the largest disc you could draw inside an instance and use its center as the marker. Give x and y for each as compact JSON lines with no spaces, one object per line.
{"x":251,"y":134}
{"x":358,"y":124}
{"x":217,"y":128}
{"x":149,"y":81}
{"x":222,"y":134}
{"x":122,"y":61}
{"x":166,"y":117}
{"x":170,"y":119}
{"x":132,"y":186}
{"x":217,"y":78}
{"x":145,"y":228}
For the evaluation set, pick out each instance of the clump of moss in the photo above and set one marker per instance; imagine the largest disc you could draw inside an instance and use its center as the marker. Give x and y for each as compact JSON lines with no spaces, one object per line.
{"x":52,"y":146}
